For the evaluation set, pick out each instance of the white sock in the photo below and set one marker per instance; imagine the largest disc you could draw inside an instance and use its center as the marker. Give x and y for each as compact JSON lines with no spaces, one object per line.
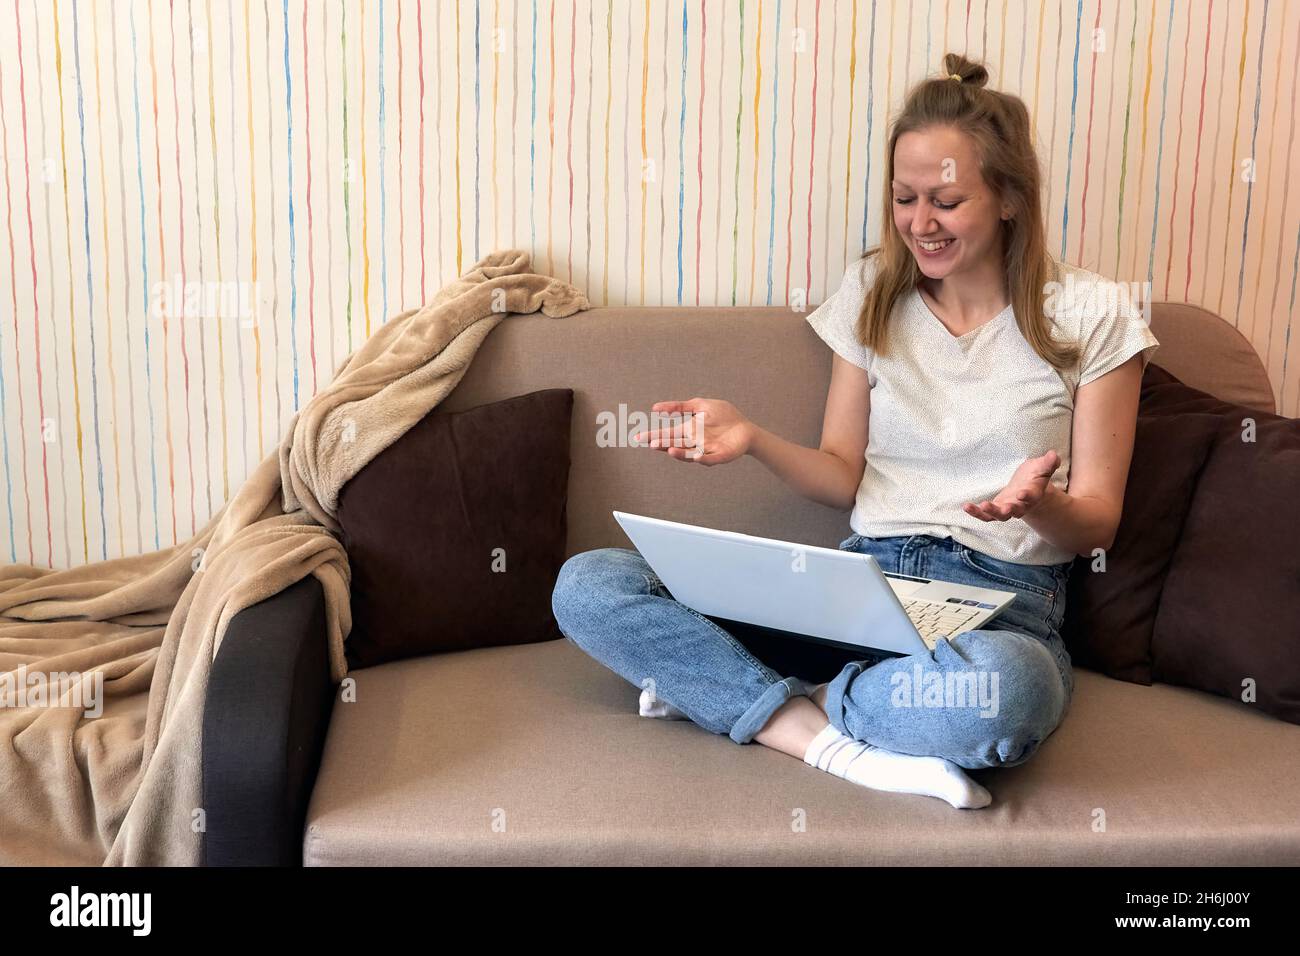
{"x":661,"y":709}
{"x":878,"y":769}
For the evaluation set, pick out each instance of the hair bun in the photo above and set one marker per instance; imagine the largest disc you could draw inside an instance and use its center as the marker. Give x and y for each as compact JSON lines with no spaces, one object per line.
{"x":966,"y":72}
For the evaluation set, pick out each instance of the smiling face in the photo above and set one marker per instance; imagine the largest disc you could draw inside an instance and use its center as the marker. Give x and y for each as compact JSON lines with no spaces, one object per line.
{"x":940,"y":196}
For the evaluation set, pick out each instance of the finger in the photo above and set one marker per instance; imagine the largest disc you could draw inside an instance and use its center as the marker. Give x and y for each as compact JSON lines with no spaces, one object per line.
{"x":672,"y":431}
{"x":690,"y":405}
{"x":663,"y":436}
{"x":691,"y":455}
{"x":686,"y":444}
{"x":668,"y":438}
{"x":688,"y":455}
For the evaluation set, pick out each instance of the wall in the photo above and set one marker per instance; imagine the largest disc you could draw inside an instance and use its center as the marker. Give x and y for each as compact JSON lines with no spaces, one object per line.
{"x":305,"y":169}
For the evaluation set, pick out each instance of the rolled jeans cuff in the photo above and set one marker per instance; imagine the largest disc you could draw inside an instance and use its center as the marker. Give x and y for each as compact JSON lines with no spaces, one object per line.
{"x":761,"y":711}
{"x":835,"y":692}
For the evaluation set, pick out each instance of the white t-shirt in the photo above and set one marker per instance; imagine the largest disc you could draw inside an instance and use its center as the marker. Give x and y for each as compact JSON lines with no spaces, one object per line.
{"x":952,"y":418}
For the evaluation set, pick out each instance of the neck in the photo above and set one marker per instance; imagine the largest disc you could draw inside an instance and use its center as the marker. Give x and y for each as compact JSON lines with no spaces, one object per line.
{"x":973,"y":295}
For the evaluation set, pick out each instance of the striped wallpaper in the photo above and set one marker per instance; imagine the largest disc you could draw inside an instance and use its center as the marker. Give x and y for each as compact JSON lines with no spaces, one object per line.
{"x":209,"y":203}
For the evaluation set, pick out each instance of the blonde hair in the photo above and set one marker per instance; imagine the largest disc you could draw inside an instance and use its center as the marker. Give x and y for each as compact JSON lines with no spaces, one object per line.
{"x":998,"y":124}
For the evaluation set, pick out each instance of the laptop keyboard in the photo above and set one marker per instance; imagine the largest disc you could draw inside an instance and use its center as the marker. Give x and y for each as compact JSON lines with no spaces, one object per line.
{"x":935,"y":621}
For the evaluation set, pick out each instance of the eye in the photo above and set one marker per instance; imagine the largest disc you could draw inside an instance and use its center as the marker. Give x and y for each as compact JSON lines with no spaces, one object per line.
{"x":937,"y":205}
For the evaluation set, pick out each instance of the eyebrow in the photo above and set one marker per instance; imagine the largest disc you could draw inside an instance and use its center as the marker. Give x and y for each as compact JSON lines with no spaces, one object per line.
{"x":932,"y":191}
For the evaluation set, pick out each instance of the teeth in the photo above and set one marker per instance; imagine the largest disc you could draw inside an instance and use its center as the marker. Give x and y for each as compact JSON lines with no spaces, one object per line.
{"x":934,"y":246}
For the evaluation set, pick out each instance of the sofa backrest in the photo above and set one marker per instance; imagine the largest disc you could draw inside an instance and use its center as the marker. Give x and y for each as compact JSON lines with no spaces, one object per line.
{"x":1205,"y":352}
{"x":770,"y":364}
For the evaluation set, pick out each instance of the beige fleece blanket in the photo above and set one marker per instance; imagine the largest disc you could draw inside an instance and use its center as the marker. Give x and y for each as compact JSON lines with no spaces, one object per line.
{"x":123,"y":786}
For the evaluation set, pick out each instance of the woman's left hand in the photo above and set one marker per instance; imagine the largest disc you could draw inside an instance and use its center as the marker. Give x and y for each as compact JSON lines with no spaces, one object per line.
{"x":1023,"y":492}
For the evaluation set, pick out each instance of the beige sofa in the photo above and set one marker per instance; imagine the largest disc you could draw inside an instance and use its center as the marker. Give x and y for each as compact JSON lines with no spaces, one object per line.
{"x":536,"y":754}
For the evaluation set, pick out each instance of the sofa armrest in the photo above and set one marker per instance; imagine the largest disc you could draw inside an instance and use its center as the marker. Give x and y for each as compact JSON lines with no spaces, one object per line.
{"x":268,"y":709}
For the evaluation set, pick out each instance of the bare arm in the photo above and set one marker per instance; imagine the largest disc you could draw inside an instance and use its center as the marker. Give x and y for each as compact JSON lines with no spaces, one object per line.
{"x":718,"y":433}
{"x":1105,"y":422}
{"x":829,"y":474}
{"x":1087,"y":516}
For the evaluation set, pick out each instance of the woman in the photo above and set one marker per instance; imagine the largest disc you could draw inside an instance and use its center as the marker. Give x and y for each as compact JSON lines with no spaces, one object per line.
{"x":974,"y":380}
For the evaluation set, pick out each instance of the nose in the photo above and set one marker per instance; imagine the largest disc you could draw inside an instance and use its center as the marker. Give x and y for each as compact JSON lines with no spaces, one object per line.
{"x":923,"y":222}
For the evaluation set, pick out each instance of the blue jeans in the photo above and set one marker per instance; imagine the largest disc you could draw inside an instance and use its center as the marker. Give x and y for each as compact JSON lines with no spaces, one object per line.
{"x":985,"y":698}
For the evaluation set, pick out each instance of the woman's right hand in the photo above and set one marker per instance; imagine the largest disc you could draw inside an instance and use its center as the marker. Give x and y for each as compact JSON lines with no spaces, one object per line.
{"x":715,"y":433}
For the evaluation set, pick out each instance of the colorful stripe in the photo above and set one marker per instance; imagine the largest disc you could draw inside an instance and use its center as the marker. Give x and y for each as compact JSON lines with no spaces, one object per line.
{"x":18,"y":368}
{"x":216,"y":229}
{"x":383,"y":182}
{"x":36,"y":304}
{"x":1282,"y":223}
{"x":293,"y":241}
{"x":184,"y":324}
{"x":155,"y":416}
{"x":55,"y":425}
{"x":128,"y":276}
{"x":147,"y":348}
{"x":275,"y":246}
{"x":252,"y":232}
{"x":311,"y":232}
{"x":419,"y":45}
{"x":1254,"y":158}
{"x":401,"y":174}
{"x":1196,"y":160}
{"x":72,"y":327}
{"x":347,"y":161}
{"x":162,"y":263}
{"x":108,"y":292}
{"x":1160,"y":150}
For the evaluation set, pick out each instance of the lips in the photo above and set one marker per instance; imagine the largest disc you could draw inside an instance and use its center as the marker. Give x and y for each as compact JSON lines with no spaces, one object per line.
{"x":937,"y":246}
{"x":934,"y":252}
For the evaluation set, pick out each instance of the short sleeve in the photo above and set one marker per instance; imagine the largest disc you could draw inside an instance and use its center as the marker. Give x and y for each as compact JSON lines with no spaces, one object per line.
{"x":1113,"y":331}
{"x":835,"y":320}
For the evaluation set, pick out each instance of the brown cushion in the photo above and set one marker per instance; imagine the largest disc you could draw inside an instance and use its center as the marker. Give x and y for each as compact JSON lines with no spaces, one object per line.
{"x":1163,"y":394}
{"x":423,"y":522}
{"x":1230,"y":609}
{"x":1110,"y":613}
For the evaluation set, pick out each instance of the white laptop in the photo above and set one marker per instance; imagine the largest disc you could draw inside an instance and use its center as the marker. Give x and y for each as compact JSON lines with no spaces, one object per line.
{"x":835,"y":597}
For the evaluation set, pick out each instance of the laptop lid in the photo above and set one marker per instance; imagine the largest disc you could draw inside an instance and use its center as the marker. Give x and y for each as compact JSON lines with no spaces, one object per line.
{"x":837,"y":597}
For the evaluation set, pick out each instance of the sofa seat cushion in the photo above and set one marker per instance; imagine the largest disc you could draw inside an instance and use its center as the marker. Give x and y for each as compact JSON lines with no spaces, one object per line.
{"x":535,"y":755}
